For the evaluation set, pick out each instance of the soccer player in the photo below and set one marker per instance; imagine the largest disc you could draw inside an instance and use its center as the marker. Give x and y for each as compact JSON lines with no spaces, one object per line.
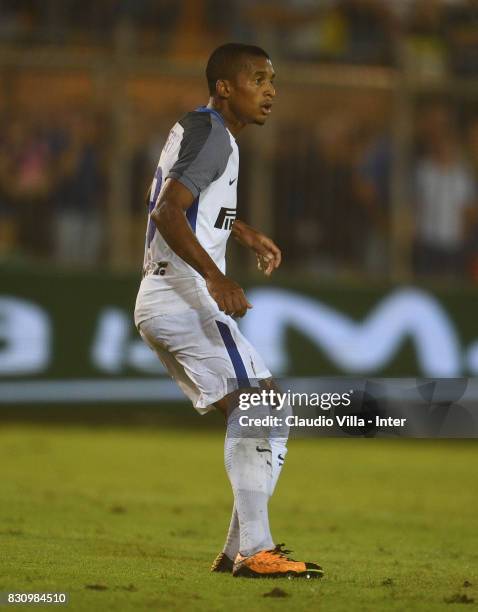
{"x":186,"y":303}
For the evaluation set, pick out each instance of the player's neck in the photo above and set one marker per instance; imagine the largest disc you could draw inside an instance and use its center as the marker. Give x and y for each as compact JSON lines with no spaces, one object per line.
{"x":232,"y":122}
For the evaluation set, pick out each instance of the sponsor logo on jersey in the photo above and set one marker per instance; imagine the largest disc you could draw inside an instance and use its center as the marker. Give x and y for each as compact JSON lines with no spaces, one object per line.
{"x":231,"y":181}
{"x":225,"y":218}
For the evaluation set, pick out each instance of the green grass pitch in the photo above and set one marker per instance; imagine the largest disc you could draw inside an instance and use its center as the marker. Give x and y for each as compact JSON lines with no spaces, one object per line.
{"x":131,"y":518}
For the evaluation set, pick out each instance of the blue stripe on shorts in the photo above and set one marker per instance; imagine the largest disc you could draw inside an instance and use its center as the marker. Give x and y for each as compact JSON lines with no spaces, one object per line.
{"x":234,"y":355}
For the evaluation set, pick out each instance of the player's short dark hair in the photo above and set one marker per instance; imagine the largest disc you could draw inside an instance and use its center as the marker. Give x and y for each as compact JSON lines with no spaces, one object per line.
{"x":227,"y":60}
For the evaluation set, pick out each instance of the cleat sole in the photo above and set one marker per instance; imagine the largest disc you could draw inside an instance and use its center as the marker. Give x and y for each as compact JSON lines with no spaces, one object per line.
{"x":245,"y":572}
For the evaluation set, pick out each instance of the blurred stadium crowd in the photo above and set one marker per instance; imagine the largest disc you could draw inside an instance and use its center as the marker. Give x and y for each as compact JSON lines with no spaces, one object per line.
{"x":335,"y":190}
{"x":351,"y":31}
{"x":331,"y":172}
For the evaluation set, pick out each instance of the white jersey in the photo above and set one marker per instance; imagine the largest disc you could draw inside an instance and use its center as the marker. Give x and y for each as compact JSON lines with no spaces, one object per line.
{"x":202,"y":154}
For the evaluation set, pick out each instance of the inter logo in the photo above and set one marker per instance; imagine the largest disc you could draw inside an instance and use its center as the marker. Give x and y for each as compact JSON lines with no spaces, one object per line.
{"x":225,"y":218}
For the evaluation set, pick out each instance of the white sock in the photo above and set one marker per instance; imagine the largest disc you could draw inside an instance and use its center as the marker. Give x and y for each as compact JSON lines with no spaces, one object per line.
{"x":279,"y":451}
{"x":250,"y":472}
{"x":231,"y":546}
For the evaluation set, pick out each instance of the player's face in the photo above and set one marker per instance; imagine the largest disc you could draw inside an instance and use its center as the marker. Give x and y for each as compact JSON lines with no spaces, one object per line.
{"x":253,"y":91}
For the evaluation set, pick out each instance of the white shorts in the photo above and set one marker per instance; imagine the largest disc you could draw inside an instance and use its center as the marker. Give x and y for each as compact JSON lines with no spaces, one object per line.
{"x":204,"y":352}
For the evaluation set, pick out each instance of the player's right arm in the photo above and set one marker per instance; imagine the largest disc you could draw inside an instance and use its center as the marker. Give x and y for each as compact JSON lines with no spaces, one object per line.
{"x":169,"y":216}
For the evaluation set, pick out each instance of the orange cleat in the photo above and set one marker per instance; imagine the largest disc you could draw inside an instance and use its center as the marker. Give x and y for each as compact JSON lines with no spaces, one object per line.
{"x":274,"y":564}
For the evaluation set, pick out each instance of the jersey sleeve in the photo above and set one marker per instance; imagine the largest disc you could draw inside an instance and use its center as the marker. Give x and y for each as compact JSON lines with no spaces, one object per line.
{"x":203,"y":154}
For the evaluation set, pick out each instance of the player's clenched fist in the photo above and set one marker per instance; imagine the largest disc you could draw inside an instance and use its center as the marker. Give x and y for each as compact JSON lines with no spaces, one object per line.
{"x":228,"y":295}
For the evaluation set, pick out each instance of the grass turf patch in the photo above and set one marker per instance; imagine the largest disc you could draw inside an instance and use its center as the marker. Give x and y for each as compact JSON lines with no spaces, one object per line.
{"x":131,"y":518}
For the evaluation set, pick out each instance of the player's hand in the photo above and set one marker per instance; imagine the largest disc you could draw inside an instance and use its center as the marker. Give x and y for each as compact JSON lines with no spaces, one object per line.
{"x":268,"y":254}
{"x":228,"y":295}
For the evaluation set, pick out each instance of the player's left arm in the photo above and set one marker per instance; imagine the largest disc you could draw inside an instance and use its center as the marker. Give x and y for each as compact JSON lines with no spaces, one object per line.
{"x":268,"y":254}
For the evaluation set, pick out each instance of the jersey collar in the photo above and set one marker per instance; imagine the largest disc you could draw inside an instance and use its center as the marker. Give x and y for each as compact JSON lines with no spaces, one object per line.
{"x":212,"y":111}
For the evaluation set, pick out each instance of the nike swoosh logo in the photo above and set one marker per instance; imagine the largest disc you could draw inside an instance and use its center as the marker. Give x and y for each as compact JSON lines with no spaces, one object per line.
{"x":231,"y":181}
{"x":280,"y":457}
{"x":263,"y":450}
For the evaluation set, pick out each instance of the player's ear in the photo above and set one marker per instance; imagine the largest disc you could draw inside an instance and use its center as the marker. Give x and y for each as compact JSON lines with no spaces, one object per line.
{"x":223,"y":88}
